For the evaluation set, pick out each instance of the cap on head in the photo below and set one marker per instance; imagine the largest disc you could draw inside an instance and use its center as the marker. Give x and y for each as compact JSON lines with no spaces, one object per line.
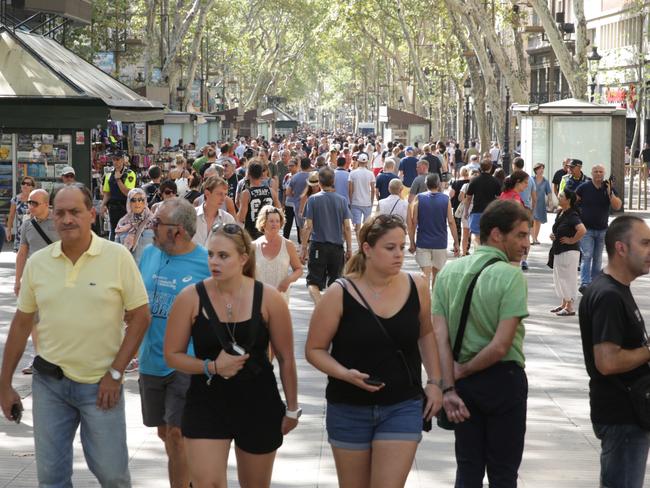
{"x":362,"y":157}
{"x":68,"y":170}
{"x":409,"y":149}
{"x":117,"y":154}
{"x":575,"y":162}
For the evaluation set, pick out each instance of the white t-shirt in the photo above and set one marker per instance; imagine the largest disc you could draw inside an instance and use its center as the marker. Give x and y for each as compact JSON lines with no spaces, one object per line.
{"x":377,"y":161}
{"x":393,"y":205}
{"x":494,"y":153}
{"x":361,"y":179}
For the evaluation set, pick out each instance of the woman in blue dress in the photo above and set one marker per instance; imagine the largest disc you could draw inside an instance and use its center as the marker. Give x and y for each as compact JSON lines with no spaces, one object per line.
{"x":543,"y":188}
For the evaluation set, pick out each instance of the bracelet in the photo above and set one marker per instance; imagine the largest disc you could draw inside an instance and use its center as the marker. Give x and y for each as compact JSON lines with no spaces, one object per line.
{"x":206,"y":371}
{"x":214,"y":363}
{"x":448,"y":389}
{"x":437,"y":383}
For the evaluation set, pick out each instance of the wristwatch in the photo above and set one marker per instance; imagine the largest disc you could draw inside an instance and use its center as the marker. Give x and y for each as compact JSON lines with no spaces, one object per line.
{"x":115,"y":374}
{"x":294,"y":414}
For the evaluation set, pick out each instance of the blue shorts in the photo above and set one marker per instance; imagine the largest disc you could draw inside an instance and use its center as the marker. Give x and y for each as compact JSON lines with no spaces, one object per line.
{"x":355,"y":427}
{"x":360,"y":214}
{"x":474,"y":223}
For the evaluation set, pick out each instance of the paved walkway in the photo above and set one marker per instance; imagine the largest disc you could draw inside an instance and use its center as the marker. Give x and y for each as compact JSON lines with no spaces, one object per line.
{"x":561,"y":450}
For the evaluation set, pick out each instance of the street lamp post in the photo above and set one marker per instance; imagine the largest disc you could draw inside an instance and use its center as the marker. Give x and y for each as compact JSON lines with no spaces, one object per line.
{"x":593,"y":59}
{"x":180,"y":96}
{"x":506,"y":136}
{"x":400,"y":103}
{"x":467,"y":90}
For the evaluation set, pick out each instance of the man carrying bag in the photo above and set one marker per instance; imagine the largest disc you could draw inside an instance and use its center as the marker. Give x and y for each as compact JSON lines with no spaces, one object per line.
{"x":484,"y":384}
{"x":616,"y":351}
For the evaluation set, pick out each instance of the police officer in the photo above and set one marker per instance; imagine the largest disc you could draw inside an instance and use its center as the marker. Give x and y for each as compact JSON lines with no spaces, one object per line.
{"x":116,"y":187}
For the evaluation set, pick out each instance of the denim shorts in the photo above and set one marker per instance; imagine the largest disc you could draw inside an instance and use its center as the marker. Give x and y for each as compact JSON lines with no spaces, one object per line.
{"x":475,"y":223}
{"x":360,"y":213}
{"x":355,"y":427}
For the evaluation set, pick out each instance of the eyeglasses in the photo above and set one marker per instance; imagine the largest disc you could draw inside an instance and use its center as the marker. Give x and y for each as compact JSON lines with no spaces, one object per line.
{"x":231,"y":229}
{"x":155,"y":222}
{"x":169,"y":192}
{"x":27,"y":183}
{"x":136,"y":200}
{"x":34,"y":203}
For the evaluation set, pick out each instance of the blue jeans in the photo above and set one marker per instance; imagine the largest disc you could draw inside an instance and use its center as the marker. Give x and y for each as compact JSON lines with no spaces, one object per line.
{"x":59,"y":406}
{"x":624,"y":452}
{"x":591,"y":245}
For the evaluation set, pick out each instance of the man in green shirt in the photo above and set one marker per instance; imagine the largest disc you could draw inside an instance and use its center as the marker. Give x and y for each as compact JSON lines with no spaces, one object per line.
{"x":485,"y":387}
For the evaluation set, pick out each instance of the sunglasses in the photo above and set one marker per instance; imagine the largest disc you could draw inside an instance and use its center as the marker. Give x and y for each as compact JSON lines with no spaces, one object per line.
{"x":169,"y":192}
{"x":34,"y":203}
{"x":155,"y":222}
{"x":27,"y":183}
{"x":136,"y":200}
{"x":231,"y":229}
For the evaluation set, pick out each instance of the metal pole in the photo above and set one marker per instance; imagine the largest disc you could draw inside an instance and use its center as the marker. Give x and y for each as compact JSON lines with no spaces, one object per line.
{"x":506,"y":136}
{"x":466,"y":122}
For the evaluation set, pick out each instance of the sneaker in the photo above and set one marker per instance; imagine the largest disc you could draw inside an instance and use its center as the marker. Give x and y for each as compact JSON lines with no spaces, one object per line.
{"x":133,"y":366}
{"x":29,"y":369}
{"x":524,"y":265}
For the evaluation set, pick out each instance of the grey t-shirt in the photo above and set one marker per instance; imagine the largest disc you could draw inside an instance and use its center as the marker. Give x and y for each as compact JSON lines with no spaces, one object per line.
{"x":327,"y":210}
{"x":419,"y":185}
{"x":31,"y":237}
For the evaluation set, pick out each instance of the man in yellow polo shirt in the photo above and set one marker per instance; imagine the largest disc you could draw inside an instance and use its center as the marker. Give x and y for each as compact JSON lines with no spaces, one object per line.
{"x":83,"y":288}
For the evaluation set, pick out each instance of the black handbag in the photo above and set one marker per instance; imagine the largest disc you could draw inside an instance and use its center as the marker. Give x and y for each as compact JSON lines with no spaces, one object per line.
{"x":442,"y":420}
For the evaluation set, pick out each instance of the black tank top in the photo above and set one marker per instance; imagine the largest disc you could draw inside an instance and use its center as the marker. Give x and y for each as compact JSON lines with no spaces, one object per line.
{"x":252,"y":335}
{"x":260,"y":196}
{"x":360,"y":344}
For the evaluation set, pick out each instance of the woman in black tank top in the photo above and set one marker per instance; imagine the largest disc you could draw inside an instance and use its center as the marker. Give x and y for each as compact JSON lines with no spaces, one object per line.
{"x":231,"y":318}
{"x":375,"y":405}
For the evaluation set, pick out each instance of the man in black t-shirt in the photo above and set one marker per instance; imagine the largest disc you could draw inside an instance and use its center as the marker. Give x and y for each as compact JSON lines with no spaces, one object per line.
{"x":435,"y":166}
{"x":559,"y":174}
{"x":482,"y":190}
{"x":617,"y":353}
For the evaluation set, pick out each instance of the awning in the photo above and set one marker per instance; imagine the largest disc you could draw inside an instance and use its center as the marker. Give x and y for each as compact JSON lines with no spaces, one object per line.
{"x":36,"y":66}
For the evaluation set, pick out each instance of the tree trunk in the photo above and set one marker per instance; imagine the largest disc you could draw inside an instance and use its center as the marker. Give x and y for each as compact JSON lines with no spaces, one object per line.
{"x":639,"y":106}
{"x":150,"y":41}
{"x":581,"y":46}
{"x":422,"y":83}
{"x":568,"y":65}
{"x":196,"y":53}
{"x":180,"y":30}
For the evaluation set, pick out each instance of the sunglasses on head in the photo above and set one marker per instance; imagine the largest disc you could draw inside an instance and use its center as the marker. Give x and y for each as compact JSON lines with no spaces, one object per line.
{"x":34,"y":203}
{"x":231,"y":229}
{"x":135,"y":200}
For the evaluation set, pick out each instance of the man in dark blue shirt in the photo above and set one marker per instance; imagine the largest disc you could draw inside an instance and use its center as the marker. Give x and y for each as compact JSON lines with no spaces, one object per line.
{"x":384,"y":178}
{"x":596,"y":197}
{"x":408,"y":167}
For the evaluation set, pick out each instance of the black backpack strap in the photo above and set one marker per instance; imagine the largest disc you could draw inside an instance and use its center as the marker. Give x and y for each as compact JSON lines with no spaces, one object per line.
{"x":462,"y":325}
{"x":206,"y":304}
{"x":42,"y":233}
{"x":256,"y":315}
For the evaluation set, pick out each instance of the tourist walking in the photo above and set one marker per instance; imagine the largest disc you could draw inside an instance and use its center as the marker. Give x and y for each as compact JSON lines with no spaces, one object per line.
{"x":80,"y":383}
{"x":231,"y":318}
{"x":274,"y":254}
{"x":394,"y":204}
{"x":543,"y":190}
{"x":18,"y":209}
{"x":253,"y":198}
{"x":616,"y":352}
{"x":484,"y":384}
{"x":376,"y":405}
{"x":135,"y":229}
{"x":456,"y":196}
{"x":564,"y":256}
{"x":481,"y":191}
{"x":362,"y":192}
{"x":211,"y":212}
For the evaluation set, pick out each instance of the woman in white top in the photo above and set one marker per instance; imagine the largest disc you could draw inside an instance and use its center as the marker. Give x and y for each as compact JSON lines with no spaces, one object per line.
{"x":274,"y":254}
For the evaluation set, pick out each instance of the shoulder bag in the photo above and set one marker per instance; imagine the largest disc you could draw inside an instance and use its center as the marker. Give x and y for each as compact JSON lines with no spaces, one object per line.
{"x":443,"y":421}
{"x":41,"y":232}
{"x":426,"y":424}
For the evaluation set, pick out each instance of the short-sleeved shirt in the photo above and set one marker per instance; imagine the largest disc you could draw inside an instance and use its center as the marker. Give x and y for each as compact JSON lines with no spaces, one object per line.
{"x":165,"y":276}
{"x":382,"y":182}
{"x":393,"y":205}
{"x":435,"y":166}
{"x":565,"y":226}
{"x":202,"y":232}
{"x":327,"y":210}
{"x":110,"y":184}
{"x":31,"y":237}
{"x":527,"y":194}
{"x":571,"y":183}
{"x":81,"y":306}
{"x":557,"y":177}
{"x":608,"y":313}
{"x":501,"y":293}
{"x":362,"y":180}
{"x":298,"y":183}
{"x":594,"y":205}
{"x":341,"y":183}
{"x":408,"y":166}
{"x":483,"y":189}
{"x":419,"y":184}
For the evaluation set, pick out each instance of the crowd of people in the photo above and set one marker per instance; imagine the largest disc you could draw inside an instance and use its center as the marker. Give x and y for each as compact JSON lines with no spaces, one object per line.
{"x":194,"y":294}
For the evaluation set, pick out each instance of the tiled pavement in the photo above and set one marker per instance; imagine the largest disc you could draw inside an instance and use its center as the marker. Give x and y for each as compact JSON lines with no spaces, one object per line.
{"x":561,"y":450}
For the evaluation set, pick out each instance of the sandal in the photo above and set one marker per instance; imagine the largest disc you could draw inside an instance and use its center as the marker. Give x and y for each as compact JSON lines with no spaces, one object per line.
{"x":565,"y":313}
{"x":534,"y":243}
{"x":557,"y":309}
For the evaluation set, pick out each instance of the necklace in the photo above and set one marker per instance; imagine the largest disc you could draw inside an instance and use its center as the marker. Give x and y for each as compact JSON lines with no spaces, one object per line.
{"x":231,"y":325}
{"x":377,"y":294}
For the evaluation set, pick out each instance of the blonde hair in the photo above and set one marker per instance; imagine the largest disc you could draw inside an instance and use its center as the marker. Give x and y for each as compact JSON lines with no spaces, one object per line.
{"x":263,"y":216}
{"x":373,"y":230}
{"x":243,"y":244}
{"x":212,"y":182}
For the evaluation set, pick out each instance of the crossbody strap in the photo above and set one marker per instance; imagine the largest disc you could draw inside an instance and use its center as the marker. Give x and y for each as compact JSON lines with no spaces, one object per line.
{"x":462,"y":325}
{"x":398,"y":350}
{"x":38,"y":228}
{"x":394,"y":205}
